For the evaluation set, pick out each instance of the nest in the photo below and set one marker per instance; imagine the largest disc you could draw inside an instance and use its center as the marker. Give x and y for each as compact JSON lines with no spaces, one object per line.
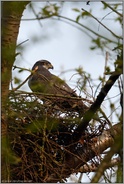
{"x":41,"y":136}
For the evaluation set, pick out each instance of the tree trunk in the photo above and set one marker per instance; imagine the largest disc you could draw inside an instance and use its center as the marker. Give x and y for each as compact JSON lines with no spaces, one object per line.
{"x":11,"y":16}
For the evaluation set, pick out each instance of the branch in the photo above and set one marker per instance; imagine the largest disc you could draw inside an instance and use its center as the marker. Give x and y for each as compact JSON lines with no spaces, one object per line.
{"x":93,"y":167}
{"x":112,"y":8}
{"x":71,"y":20}
{"x":105,"y":162}
{"x":14,"y":67}
{"x":77,"y":162}
{"x":87,"y":28}
{"x":32,"y":72}
{"x":103,"y":25}
{"x":99,"y":145}
{"x":14,"y":89}
{"x":88,"y":116}
{"x":49,"y":96}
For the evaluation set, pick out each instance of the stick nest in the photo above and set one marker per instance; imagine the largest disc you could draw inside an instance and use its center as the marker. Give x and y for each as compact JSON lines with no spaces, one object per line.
{"x":40,"y":136}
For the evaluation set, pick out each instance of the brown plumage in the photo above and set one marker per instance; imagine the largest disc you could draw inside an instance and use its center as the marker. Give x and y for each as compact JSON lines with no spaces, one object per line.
{"x":44,"y":82}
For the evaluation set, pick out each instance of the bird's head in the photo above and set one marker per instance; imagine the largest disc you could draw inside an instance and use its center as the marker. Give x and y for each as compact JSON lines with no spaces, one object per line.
{"x":43,"y":63}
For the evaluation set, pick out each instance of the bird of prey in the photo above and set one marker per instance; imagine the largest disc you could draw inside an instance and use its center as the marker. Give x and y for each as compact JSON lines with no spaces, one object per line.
{"x":44,"y":82}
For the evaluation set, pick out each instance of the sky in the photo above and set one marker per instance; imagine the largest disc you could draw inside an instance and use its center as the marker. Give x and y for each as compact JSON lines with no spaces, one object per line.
{"x":64,"y":45}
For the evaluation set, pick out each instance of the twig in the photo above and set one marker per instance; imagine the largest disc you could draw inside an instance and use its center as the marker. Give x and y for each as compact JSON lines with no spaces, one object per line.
{"x":104,"y":141}
{"x":104,"y":164}
{"x":112,"y":8}
{"x":71,"y":20}
{"x":104,"y":17}
{"x":103,"y":25}
{"x":93,"y":167}
{"x":50,"y":95}
{"x":36,"y":15}
{"x":106,"y":60}
{"x":88,"y":116}
{"x":22,"y":42}
{"x":76,"y":26}
{"x":14,"y":67}
{"x":15,"y":89}
{"x":89,"y":29}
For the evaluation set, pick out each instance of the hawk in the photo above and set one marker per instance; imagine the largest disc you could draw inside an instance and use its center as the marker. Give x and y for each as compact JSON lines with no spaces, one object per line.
{"x":44,"y":82}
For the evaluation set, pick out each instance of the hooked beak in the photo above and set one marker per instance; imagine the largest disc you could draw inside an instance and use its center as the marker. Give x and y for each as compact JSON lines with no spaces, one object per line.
{"x":50,"y":66}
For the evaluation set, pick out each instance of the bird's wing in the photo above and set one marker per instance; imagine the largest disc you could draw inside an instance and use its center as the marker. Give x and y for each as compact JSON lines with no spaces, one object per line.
{"x":62,"y":87}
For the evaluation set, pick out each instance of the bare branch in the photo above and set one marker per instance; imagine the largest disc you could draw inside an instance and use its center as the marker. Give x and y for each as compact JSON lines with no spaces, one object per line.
{"x":49,"y":96}
{"x":112,"y":8}
{"x":71,"y":20}
{"x":100,"y":144}
{"x":114,"y":149}
{"x":103,"y":25}
{"x":87,"y":28}
{"x":94,"y":167}
{"x":95,"y":106}
{"x":14,"y":89}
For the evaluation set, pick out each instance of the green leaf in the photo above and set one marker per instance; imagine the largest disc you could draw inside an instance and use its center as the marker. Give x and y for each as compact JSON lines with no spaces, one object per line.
{"x":105,"y":6}
{"x":120,"y":19}
{"x":76,"y":10}
{"x":79,"y":70}
{"x":92,"y":48}
{"x":78,"y":17}
{"x":85,"y":14}
{"x":112,"y":106}
{"x":17,"y":80}
{"x":21,"y":70}
{"x":107,"y":69}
